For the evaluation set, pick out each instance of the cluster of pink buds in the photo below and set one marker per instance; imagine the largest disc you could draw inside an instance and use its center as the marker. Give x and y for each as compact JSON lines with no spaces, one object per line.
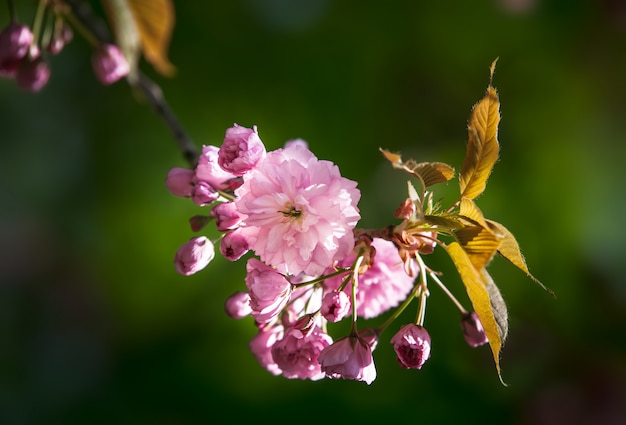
{"x":23,"y":48}
{"x":293,"y":218}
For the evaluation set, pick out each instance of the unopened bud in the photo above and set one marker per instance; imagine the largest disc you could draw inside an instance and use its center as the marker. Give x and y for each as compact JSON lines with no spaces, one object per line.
{"x":238,"y":305}
{"x":109,"y":64}
{"x":194,"y":255}
{"x":32,"y":75}
{"x":15,"y":40}
{"x":473,"y":330}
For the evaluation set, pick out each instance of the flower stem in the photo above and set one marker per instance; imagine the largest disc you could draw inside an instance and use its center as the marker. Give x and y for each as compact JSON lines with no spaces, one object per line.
{"x":355,"y":284}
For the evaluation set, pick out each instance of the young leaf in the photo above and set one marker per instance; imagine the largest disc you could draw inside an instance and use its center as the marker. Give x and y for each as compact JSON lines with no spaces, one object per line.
{"x":154,"y":20}
{"x":482,"y":146}
{"x":429,"y":173}
{"x":498,"y":306}
{"x":469,"y":210}
{"x":510,"y":250}
{"x":479,"y":243}
{"x":476,"y":285}
{"x":124,"y":30}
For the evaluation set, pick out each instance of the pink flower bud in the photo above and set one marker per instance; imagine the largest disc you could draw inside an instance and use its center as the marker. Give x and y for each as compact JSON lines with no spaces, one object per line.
{"x":203,"y":194}
{"x":348,"y":358}
{"x":208,"y":169}
{"x":269,"y":290}
{"x":179,"y":181}
{"x":194,"y":255}
{"x":238,"y":305}
{"x":109,"y":64}
{"x":473,"y":330}
{"x":335,"y":306}
{"x":412,"y":346}
{"x":32,"y":75}
{"x":241,"y":151}
{"x":197,"y":222}
{"x":234,"y":245}
{"x":15,"y":40}
{"x":226,"y":216}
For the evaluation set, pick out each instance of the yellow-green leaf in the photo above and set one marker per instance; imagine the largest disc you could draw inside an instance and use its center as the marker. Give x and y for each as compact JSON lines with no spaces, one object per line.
{"x":125,"y":32}
{"x":510,"y":250}
{"x":476,"y":285}
{"x":155,"y":20}
{"x":482,"y":146}
{"x":479,"y":243}
{"x":469,"y":210}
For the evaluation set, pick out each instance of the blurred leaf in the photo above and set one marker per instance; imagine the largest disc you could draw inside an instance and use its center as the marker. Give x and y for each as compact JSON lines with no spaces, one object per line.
{"x":476,"y":285}
{"x":509,"y":249}
{"x":143,"y":26}
{"x":482,"y":145}
{"x":155,"y":20}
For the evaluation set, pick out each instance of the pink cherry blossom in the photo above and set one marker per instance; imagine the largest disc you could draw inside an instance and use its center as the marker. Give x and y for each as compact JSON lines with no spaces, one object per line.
{"x":383,"y":286}
{"x":203,"y":194}
{"x":302,"y":208}
{"x":208,"y":170}
{"x":241,"y":151}
{"x":179,"y":181}
{"x":226,"y":216}
{"x":237,"y":306}
{"x":15,"y":40}
{"x":297,"y":353}
{"x":109,"y":64}
{"x":194,"y":255}
{"x":261,"y":347}
{"x":412,"y":346}
{"x":269,"y":290}
{"x":335,"y":306}
{"x":235,"y":244}
{"x":349,"y":358}
{"x":473,"y":330}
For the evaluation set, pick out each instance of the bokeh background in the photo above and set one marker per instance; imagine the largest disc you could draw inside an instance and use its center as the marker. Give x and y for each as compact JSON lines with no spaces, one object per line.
{"x":96,"y":326}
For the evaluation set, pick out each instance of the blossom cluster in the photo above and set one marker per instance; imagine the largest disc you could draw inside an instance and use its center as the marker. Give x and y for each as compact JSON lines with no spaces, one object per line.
{"x":23,"y":49}
{"x":293,"y":218}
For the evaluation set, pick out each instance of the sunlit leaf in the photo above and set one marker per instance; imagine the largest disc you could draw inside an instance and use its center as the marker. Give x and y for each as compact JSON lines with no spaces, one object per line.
{"x":468,"y":209}
{"x":476,"y":285}
{"x":480,"y":244}
{"x":445,"y":221}
{"x":155,"y":20}
{"x":509,"y":249}
{"x":429,"y":173}
{"x":482,"y":146}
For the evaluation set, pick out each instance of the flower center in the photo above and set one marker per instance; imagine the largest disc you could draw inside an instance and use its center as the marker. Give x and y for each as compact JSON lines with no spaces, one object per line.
{"x":291,"y":212}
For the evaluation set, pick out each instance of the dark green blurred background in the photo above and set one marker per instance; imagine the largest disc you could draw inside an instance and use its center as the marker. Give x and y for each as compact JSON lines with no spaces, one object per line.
{"x":96,"y":326}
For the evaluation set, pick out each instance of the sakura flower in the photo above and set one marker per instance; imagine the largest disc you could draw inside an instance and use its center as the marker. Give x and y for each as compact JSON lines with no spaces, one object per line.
{"x":269,"y":290}
{"x":208,"y":169}
{"x":226,"y":216}
{"x":238,"y":305}
{"x":109,"y":64}
{"x":235,"y":244}
{"x":335,"y":306}
{"x":203,"y":194}
{"x":349,"y":358}
{"x":194,"y":255}
{"x":383,"y":286}
{"x":303,"y":210}
{"x":241,"y":151}
{"x":297,"y":353}
{"x":261,"y":347}
{"x":473,"y":330}
{"x":412,"y":346}
{"x":179,"y":181}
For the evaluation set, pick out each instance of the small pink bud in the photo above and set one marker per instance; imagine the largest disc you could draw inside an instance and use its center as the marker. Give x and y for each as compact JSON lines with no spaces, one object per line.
{"x":15,"y":40}
{"x":241,"y":151}
{"x":238,"y":305}
{"x":335,"y":306}
{"x":109,"y":64}
{"x":32,"y":75}
{"x":203,"y":194}
{"x":194,"y":255}
{"x":473,"y":330}
{"x":234,"y":245}
{"x":412,"y":346}
{"x":226,"y":216}
{"x":179,"y":181}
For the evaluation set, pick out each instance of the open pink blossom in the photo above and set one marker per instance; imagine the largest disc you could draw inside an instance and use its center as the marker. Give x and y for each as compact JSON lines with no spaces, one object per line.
{"x":349,"y":358}
{"x":297,"y":353}
{"x":269,"y":290}
{"x":241,"y":151}
{"x":412,"y":346}
{"x":303,"y":209}
{"x":383,"y":286}
{"x":208,"y":170}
